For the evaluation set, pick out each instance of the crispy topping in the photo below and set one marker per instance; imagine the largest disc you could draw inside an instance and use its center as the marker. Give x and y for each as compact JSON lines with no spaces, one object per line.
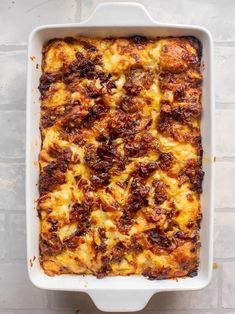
{"x":166,"y":161}
{"x":53,"y":174}
{"x":160,"y":195}
{"x":193,"y":174}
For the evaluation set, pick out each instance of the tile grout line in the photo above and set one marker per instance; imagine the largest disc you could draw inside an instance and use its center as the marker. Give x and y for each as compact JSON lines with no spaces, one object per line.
{"x":224,"y":43}
{"x":220,"y":159}
{"x":12,"y":211}
{"x":224,"y":210}
{"x":12,"y":160}
{"x":221,"y":260}
{"x":6,"y":109}
{"x":13,"y":48}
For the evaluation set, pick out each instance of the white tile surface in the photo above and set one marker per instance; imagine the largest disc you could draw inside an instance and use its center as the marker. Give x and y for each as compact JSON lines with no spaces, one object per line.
{"x":2,"y":236}
{"x":225,"y":130}
{"x":12,"y":187}
{"x":217,"y":16}
{"x":17,"y":291}
{"x":18,"y":18}
{"x":225,"y":74}
{"x":224,"y":244}
{"x":12,"y":140}
{"x":12,"y":78}
{"x":228,"y":287}
{"x":187,"y":300}
{"x":225,"y":184}
{"x":71,"y":300}
{"x":17,"y":236}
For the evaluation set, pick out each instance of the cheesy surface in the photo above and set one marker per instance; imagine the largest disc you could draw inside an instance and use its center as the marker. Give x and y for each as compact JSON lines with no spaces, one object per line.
{"x":121,"y":157}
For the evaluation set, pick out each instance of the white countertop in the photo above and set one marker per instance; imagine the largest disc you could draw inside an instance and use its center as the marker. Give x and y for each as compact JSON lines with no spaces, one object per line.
{"x":17,"y":19}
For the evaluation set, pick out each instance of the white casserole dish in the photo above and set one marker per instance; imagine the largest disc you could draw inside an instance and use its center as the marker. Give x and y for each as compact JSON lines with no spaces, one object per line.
{"x":129,"y":293}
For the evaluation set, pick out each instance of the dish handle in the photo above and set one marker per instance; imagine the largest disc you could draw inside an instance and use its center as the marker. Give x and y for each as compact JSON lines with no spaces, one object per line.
{"x":120,"y":13}
{"x":121,"y":300}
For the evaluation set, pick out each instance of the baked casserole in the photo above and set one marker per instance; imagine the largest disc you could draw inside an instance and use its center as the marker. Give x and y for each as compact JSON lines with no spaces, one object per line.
{"x":121,"y":156}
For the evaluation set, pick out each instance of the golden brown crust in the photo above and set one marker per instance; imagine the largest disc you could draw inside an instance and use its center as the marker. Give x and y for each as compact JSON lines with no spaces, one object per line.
{"x":121,"y":158}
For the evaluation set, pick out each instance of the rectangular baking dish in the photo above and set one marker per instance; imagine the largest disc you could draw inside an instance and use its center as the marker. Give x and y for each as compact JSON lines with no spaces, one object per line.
{"x":127,"y":293}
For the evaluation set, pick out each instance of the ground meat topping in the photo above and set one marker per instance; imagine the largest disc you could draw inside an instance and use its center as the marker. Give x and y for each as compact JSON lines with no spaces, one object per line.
{"x":160,"y":194}
{"x":50,"y":244}
{"x":159,"y":274}
{"x":81,"y":216}
{"x":193,"y":174}
{"x":53,"y":174}
{"x":166,"y":161}
{"x":138,"y":196}
{"x":142,"y":145}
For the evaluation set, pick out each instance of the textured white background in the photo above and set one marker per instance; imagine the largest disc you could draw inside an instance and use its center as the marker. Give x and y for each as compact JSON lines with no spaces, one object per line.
{"x":17,"y":19}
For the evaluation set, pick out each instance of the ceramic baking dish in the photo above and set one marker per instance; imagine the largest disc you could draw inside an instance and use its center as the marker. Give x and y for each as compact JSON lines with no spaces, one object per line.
{"x":127,"y":293}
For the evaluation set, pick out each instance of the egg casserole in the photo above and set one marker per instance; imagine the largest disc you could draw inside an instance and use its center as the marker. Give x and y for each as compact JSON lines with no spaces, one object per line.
{"x":121,"y":156}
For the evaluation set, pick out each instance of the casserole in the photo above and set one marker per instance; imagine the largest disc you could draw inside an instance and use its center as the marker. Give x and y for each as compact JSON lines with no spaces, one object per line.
{"x":134,"y":291}
{"x":120,"y":163}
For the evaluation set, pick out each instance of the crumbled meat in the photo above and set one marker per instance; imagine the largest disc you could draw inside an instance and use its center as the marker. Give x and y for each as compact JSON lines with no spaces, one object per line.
{"x":54,"y":173}
{"x":104,"y":271}
{"x":106,"y":151}
{"x":100,"y":180}
{"x":90,"y":202}
{"x":83,"y":66}
{"x":87,"y":45}
{"x":166,"y":161}
{"x":134,"y":245}
{"x":123,"y":125}
{"x":84,"y":184}
{"x":93,"y":92}
{"x":183,"y":81}
{"x":51,"y":115}
{"x":182,"y":112}
{"x":141,"y":146}
{"x":102,"y":236}
{"x":118,"y":252}
{"x":95,"y":112}
{"x":138,"y":196}
{"x":140,"y":41}
{"x":157,"y":274}
{"x":50,"y":244}
{"x":46,"y":80}
{"x":125,"y":222}
{"x":128,"y":104}
{"x":130,"y":87}
{"x":144,"y":170}
{"x":72,"y":241}
{"x":156,"y":239}
{"x":160,"y":195}
{"x":179,"y":93}
{"x":93,"y":160}
{"x":192,"y":173}
{"x":137,"y":80}
{"x":81,"y":216}
{"x":55,"y":150}
{"x":54,"y":224}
